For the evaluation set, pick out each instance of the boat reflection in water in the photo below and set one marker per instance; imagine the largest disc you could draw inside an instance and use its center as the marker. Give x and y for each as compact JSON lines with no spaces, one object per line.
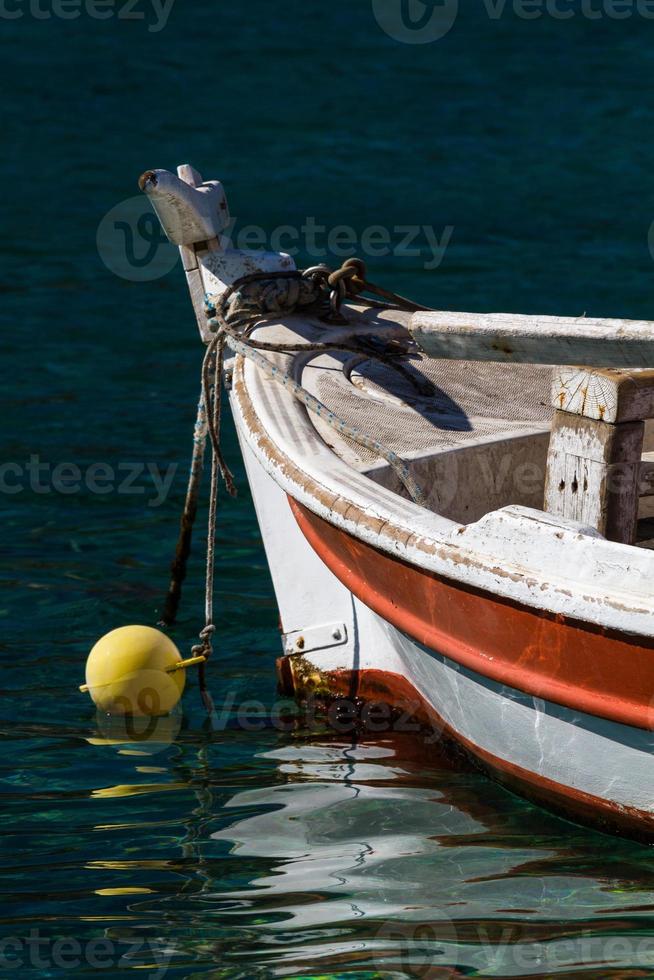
{"x":374,"y":859}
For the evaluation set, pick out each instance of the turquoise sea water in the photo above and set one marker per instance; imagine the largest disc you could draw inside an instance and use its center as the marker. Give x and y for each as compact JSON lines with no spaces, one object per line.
{"x":256,"y":851}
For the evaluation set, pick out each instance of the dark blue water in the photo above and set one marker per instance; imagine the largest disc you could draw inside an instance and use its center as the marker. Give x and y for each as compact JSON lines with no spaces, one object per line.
{"x":251,"y":851}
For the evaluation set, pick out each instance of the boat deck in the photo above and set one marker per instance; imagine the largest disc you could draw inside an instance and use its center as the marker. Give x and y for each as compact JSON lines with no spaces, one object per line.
{"x":475,"y":434}
{"x":425,"y":405}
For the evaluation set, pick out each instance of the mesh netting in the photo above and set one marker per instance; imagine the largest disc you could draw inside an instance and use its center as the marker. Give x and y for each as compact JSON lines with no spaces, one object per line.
{"x":470,"y":401}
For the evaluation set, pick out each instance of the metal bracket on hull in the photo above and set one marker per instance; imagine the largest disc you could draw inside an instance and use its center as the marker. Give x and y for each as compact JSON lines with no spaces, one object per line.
{"x":315,"y":638}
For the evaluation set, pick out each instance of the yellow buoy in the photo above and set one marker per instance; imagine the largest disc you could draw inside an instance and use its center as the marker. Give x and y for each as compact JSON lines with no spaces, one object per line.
{"x":136,"y":670}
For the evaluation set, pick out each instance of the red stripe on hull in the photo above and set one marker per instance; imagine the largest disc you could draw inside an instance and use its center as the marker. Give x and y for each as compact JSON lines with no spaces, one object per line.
{"x":393,"y":689}
{"x":577,"y":665}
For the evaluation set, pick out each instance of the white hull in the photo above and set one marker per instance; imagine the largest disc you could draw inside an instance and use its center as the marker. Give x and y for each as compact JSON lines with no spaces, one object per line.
{"x":558,"y":750}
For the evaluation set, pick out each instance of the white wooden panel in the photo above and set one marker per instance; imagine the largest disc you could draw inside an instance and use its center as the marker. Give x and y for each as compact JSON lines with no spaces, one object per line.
{"x":647,"y":475}
{"x":188,"y":214}
{"x":593,"y":472}
{"x":221,"y":268}
{"x":535,"y":339}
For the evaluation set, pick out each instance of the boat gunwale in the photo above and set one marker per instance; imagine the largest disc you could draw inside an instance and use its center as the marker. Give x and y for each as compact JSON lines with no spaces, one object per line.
{"x":425,"y":539}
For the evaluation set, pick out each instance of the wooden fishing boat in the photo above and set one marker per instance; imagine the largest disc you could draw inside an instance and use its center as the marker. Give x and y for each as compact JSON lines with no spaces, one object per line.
{"x":457,"y":517}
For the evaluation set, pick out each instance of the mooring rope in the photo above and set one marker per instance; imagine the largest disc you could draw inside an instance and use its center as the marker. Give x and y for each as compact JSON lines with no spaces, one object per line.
{"x":218,"y":468}
{"x":271,"y":371}
{"x":232,"y":318}
{"x":187,"y":520}
{"x":235,"y":314}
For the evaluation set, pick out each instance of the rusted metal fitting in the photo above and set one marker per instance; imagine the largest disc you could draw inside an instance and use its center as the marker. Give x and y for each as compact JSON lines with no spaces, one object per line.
{"x":340,"y":275}
{"x":352,"y":275}
{"x":336,"y":298}
{"x":359,"y":266}
{"x":149,"y":177}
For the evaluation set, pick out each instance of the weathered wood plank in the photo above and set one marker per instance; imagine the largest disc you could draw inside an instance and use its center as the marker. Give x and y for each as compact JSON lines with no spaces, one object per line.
{"x":535,"y":339}
{"x":191,"y":256}
{"x":647,"y":475}
{"x":197,"y":293}
{"x":188,"y":253}
{"x":607,"y":394}
{"x":598,"y":441}
{"x":189,"y":174}
{"x":189,"y":214}
{"x":193,"y":213}
{"x":593,"y":474}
